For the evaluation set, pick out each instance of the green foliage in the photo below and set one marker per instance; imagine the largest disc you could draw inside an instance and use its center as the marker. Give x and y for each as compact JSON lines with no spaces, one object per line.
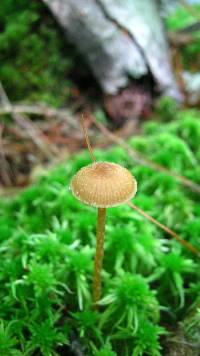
{"x":180,"y":19}
{"x":35,"y":62}
{"x":192,"y":327}
{"x":45,"y":337}
{"x":146,"y":339}
{"x":149,"y":279}
{"x":105,"y":351}
{"x":129,"y":299}
{"x":166,"y":109}
{"x":173,"y":269}
{"x":88,"y":324}
{"x":7,"y":340}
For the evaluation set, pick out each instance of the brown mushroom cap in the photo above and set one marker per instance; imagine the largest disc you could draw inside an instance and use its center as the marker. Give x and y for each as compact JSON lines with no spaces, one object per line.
{"x":103,"y":185}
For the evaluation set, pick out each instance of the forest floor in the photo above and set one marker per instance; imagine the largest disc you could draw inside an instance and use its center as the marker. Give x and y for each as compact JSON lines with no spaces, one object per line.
{"x":48,"y":238}
{"x":42,"y":103}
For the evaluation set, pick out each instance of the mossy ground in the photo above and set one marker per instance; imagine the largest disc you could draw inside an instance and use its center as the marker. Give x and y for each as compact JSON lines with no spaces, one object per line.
{"x":150,"y":281}
{"x":47,"y":238}
{"x":36,"y":61}
{"x":180,"y":19}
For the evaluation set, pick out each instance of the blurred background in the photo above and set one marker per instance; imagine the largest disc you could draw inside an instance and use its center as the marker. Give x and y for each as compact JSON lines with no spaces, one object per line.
{"x":117,"y":63}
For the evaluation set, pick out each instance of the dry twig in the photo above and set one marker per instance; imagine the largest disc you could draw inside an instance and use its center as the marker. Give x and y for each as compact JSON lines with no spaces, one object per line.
{"x":4,"y":166}
{"x":26,"y":124}
{"x":185,"y":243}
{"x":141,"y":159}
{"x":40,"y":110}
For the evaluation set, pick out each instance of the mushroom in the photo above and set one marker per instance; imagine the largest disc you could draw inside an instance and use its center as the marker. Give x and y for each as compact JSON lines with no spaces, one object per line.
{"x":102,"y":185}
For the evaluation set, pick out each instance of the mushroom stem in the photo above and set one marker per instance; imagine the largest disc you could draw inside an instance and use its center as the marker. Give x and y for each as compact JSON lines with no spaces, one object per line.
{"x":99,"y":254}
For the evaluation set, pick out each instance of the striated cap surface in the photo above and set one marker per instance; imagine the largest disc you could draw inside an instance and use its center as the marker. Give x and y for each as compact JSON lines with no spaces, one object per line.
{"x":103,"y":185}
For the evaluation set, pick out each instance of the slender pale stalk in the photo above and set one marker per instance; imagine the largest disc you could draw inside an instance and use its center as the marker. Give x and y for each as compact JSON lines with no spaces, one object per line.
{"x":185,"y":243}
{"x":98,"y":261}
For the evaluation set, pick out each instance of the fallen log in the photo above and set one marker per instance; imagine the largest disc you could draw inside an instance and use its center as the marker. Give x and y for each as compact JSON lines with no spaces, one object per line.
{"x":119,"y":40}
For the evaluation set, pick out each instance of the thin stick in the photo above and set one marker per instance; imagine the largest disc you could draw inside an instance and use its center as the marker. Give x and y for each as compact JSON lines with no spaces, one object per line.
{"x":98,"y":261}
{"x":39,"y":109}
{"x":185,"y":243}
{"x":5,"y":171}
{"x":87,"y":139}
{"x":26,"y":124}
{"x":141,"y":159}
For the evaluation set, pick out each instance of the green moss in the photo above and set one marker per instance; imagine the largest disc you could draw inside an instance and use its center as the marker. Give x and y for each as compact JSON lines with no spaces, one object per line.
{"x":48,"y":244}
{"x":35,"y":61}
{"x":179,"y":20}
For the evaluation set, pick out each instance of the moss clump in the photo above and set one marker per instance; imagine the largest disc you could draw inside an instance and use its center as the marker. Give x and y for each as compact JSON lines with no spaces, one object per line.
{"x":48,"y":244}
{"x":180,"y":19}
{"x":35,"y":62}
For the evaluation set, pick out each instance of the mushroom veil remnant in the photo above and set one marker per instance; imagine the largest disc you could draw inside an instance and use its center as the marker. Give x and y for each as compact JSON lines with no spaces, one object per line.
{"x":102,"y":185}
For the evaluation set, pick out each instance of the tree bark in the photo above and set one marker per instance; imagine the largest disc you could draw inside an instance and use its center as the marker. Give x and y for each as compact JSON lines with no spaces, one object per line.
{"x":119,"y":39}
